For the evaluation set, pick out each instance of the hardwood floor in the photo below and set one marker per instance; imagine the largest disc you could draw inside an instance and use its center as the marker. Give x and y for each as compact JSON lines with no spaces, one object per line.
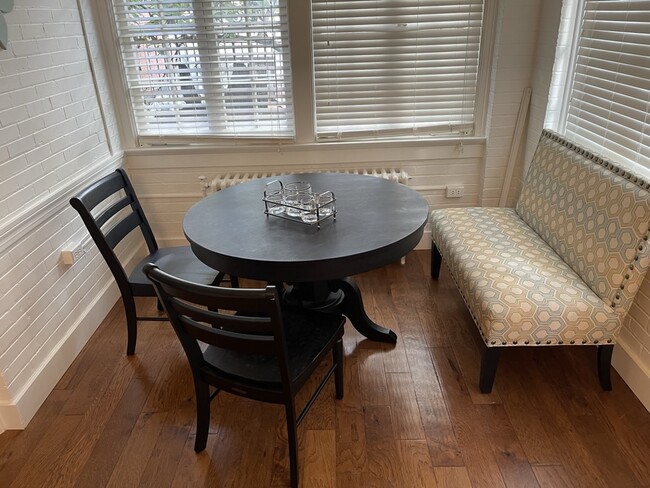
{"x":412,"y":415}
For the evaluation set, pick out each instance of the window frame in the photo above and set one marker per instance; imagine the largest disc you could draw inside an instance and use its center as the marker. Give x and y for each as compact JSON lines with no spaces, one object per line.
{"x":302,"y":72}
{"x":557,"y":113}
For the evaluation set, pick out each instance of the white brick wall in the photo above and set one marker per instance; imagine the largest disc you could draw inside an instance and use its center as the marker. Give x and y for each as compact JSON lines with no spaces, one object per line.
{"x":53,"y":141}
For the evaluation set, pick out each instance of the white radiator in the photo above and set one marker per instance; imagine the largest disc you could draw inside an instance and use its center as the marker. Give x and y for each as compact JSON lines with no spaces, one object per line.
{"x":229,"y":179}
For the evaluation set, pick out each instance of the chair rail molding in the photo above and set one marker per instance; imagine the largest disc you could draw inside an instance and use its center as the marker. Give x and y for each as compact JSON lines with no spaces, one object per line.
{"x":18,"y":224}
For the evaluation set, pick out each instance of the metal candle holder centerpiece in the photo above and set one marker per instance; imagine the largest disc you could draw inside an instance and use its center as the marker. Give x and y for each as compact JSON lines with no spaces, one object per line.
{"x":295,"y":201}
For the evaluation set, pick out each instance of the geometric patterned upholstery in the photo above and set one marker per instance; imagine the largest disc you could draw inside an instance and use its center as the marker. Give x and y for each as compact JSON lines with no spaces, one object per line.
{"x":517,"y":289}
{"x":594,"y":215}
{"x":565,"y":265}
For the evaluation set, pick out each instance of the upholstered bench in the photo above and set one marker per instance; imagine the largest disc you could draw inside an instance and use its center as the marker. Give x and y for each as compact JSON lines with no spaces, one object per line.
{"x":562,"y":267}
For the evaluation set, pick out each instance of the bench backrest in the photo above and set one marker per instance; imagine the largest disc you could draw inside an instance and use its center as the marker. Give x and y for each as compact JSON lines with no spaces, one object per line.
{"x":594,"y":214}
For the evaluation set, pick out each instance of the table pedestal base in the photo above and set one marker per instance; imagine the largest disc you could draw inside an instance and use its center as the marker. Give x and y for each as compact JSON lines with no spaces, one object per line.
{"x":339,"y":296}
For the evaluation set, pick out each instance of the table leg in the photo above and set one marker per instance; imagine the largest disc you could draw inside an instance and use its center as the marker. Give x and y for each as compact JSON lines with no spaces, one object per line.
{"x":352,"y":308}
{"x":338,"y":296}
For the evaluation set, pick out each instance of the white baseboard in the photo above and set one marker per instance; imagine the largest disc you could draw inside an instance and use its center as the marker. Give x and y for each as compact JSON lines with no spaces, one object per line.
{"x":30,"y":399}
{"x":633,"y":372}
{"x":16,"y":415}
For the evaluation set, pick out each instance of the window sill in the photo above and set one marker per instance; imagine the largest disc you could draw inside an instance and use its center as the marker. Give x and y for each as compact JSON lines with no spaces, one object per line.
{"x":252,"y":147}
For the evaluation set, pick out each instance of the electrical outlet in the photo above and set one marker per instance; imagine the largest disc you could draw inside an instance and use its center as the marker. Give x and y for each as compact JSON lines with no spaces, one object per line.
{"x":455,"y":191}
{"x":71,"y":255}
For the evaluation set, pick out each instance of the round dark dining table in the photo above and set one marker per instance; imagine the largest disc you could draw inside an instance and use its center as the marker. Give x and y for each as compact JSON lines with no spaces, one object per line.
{"x":377,"y":222}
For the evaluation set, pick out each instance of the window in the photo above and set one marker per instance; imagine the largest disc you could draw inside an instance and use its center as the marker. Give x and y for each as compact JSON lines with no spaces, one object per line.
{"x":217,"y":68}
{"x":221,"y":68}
{"x":609,"y":103}
{"x":395,"y":66}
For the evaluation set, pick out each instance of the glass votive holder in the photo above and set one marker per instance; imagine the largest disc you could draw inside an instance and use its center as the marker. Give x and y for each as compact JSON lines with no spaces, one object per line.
{"x":275,"y":203}
{"x":297,"y":187}
{"x":293,"y":193}
{"x":325,"y":202}
{"x":309,"y":213}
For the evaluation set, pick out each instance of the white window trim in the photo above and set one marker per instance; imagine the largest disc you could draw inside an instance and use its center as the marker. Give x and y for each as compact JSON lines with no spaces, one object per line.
{"x":562,"y":79}
{"x":303,"y":88}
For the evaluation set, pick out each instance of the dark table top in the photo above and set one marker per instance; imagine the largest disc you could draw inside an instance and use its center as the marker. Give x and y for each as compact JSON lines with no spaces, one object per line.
{"x":377,"y":222}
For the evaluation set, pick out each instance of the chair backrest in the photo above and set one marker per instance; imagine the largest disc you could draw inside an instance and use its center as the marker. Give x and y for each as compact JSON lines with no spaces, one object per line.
{"x":256,"y":328}
{"x":594,"y":214}
{"x":87,"y":200}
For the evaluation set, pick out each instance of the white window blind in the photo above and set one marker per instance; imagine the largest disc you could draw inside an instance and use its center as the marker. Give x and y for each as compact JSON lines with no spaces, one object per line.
{"x":609,"y":104}
{"x":395,"y":67}
{"x":207,"y":68}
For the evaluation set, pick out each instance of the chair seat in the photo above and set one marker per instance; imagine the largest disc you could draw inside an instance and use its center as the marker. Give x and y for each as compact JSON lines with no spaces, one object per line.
{"x":519,"y":291}
{"x":177,"y":261}
{"x":307,"y":334}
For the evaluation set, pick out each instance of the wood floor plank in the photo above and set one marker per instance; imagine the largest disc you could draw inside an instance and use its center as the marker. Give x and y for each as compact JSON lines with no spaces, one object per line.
{"x":194,"y":467}
{"x":239,"y":461}
{"x":383,"y":467}
{"x":552,"y":477}
{"x":74,"y":457}
{"x":138,"y":450}
{"x":173,"y":382}
{"x":468,"y":422}
{"x":350,"y":423}
{"x":600,"y":443}
{"x":425,"y":301}
{"x":372,"y":379}
{"x":522,"y":411}
{"x":17,"y":446}
{"x":630,"y":431}
{"x":406,"y":314}
{"x":570,"y":446}
{"x":411,"y":415}
{"x":46,"y":455}
{"x":417,"y":470}
{"x":510,"y":456}
{"x":319,"y":459}
{"x":105,"y":455}
{"x":162,"y":464}
{"x":439,"y":433}
{"x":452,"y":477}
{"x":407,"y":423}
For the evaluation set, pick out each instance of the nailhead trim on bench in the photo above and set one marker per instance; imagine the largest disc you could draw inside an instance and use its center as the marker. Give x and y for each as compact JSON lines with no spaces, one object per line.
{"x":605,"y":163}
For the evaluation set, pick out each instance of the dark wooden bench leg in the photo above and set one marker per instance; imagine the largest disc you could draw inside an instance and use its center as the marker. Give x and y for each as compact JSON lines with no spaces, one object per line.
{"x":436,"y":261}
{"x":604,"y":366}
{"x":489,"y":363}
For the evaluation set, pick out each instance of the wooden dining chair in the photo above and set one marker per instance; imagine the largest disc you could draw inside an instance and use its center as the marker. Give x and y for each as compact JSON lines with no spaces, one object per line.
{"x":263,"y":352}
{"x":121,"y":216}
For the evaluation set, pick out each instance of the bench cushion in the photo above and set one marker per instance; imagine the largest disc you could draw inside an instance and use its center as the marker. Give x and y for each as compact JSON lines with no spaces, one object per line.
{"x":518,"y":290}
{"x":593,"y":214}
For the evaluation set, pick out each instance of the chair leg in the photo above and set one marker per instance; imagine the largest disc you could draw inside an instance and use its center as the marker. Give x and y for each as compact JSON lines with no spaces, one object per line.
{"x":604,"y":366}
{"x":338,"y":373}
{"x":489,"y":363}
{"x":159,"y":305}
{"x":436,"y":261}
{"x":292,"y":435}
{"x":131,"y":324}
{"x":234,"y":282}
{"x":202,"y":415}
